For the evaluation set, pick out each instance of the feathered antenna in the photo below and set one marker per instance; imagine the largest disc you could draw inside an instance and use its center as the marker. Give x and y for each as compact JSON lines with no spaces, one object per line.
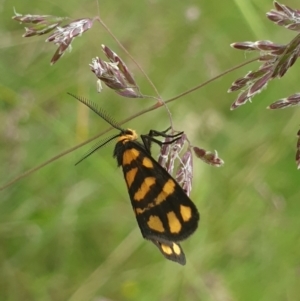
{"x":98,"y":111}
{"x":103,"y":115}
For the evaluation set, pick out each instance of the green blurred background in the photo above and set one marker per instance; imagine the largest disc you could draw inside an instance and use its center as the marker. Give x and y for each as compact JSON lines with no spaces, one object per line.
{"x":68,"y":233}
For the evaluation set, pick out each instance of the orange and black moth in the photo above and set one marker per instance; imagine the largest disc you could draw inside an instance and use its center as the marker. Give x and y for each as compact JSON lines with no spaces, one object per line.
{"x":164,"y":212}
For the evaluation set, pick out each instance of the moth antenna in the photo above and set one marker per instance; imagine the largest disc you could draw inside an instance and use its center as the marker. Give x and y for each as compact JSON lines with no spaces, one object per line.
{"x":98,"y":145}
{"x":100,"y":112}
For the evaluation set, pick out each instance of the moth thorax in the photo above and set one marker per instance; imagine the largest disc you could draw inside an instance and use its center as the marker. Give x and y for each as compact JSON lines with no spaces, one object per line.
{"x":128,"y":135}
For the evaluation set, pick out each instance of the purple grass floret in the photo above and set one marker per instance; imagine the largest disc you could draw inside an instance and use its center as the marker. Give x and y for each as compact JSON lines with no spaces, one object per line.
{"x":62,"y":35}
{"x":114,"y":58}
{"x":290,"y":101}
{"x":285,"y":16}
{"x":298,"y":151}
{"x":170,"y":157}
{"x":175,"y":152}
{"x":163,"y":156}
{"x":208,"y":157}
{"x":276,"y":59}
{"x":179,"y":156}
{"x":263,"y":45}
{"x":39,"y":24}
{"x":184,"y":174}
{"x":115,"y":75}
